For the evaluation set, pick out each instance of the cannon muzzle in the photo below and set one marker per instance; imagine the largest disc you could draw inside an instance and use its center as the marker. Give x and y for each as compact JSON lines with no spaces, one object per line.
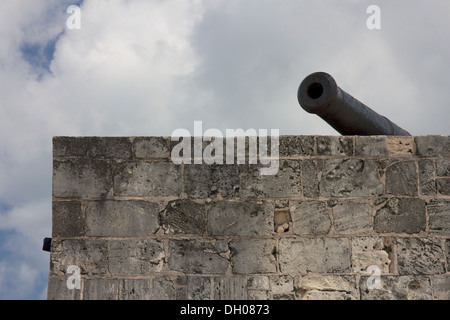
{"x":319,"y":94}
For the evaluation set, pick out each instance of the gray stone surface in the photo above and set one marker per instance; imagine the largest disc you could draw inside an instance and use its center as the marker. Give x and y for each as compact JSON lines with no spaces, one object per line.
{"x":116,"y":218}
{"x":230,"y":288}
{"x":163,"y":289}
{"x":151,"y":147}
{"x":135,"y":289}
{"x":292,"y":146}
{"x":147,"y":179}
{"x":81,"y":178}
{"x":433,"y":145}
{"x":302,"y":255}
{"x":419,"y":256}
{"x":240,"y":218}
{"x":401,"y":178}
{"x":67,"y":219}
{"x":102,"y":147}
{"x":439,"y":216}
{"x":286,"y":183}
{"x":100,"y":289}
{"x":397,"y":288}
{"x":192,"y":256}
{"x":210,"y":180}
{"x":91,"y":256}
{"x":371,"y":145}
{"x":352,"y":217}
{"x":441,"y":286}
{"x":310,"y":218}
{"x":427,"y":177}
{"x":135,"y":256}
{"x":401,"y":215}
{"x":184,"y":217}
{"x":443,"y":186}
{"x":369,"y":251}
{"x":334,"y":145}
{"x":350,"y":177}
{"x":310,"y":179}
{"x":198,"y":288}
{"x":58,"y":290}
{"x":263,"y":251}
{"x":326,"y":287}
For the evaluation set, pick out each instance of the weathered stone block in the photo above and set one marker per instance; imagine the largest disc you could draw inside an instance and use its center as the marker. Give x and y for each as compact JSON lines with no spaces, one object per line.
{"x":204,"y":181}
{"x":401,"y":215}
{"x":334,"y":145}
{"x":262,"y":251}
{"x":135,"y":256}
{"x":433,"y":145}
{"x":302,"y":255}
{"x":443,"y":167}
{"x":371,"y":145}
{"x":191,"y":256}
{"x":163,"y":288}
{"x":286,"y":183}
{"x":397,"y":288}
{"x":310,"y":180}
{"x":199,"y":288}
{"x":91,"y":256}
{"x":350,"y":177}
{"x":282,"y":284}
{"x":369,"y":251}
{"x":81,"y":178}
{"x":105,"y":147}
{"x":352,"y":217}
{"x":439,"y":216}
{"x":326,"y":287}
{"x":228,"y":218}
{"x":100,"y":289}
{"x":401,"y":178}
{"x":292,"y":146}
{"x":401,"y":146}
{"x":230,"y":288}
{"x":67,"y":219}
{"x":58,"y":290}
{"x":151,"y":147}
{"x":184,"y":217}
{"x":147,"y":179}
{"x":135,"y":289}
{"x":441,"y":287}
{"x":427,"y":177}
{"x":258,"y":282}
{"x":310,"y":218}
{"x":419,"y":256}
{"x":116,"y":218}
{"x":443,"y":186}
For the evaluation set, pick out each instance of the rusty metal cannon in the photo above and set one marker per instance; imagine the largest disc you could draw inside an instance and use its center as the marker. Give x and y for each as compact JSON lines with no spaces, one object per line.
{"x":319,"y":94}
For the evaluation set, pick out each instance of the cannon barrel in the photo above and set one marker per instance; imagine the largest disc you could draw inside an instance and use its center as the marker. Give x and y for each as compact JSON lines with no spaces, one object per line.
{"x":319,"y":94}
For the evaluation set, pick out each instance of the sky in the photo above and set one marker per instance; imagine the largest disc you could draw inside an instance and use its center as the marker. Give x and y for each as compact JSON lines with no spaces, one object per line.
{"x":149,"y":67}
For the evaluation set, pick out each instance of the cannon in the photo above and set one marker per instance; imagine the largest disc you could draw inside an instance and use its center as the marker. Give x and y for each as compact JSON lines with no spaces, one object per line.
{"x":319,"y":94}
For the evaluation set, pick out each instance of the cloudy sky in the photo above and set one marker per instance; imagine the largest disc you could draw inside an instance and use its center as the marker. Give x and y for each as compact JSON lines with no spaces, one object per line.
{"x":148,"y":67}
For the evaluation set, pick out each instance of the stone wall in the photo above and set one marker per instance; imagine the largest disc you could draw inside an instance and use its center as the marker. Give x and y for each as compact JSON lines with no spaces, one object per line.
{"x":339,"y":212}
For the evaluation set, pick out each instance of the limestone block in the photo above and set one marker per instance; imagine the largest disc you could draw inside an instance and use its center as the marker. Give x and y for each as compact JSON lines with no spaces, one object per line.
{"x":350,"y":177}
{"x":427,"y":177}
{"x":433,"y":145}
{"x":163,"y":288}
{"x":230,"y":288}
{"x":292,"y":146}
{"x":198,"y":288}
{"x":91,"y":256}
{"x":302,"y":255}
{"x":369,"y":251}
{"x":100,"y":147}
{"x":310,"y":180}
{"x":230,"y":218}
{"x":261,"y":251}
{"x":282,"y":284}
{"x":147,"y":179}
{"x":326,"y":287}
{"x":67,"y":219}
{"x":439,"y":216}
{"x":401,"y":178}
{"x":192,"y":256}
{"x":401,"y":215}
{"x":419,"y":256}
{"x":371,"y":145}
{"x":334,"y":145}
{"x":81,"y":178}
{"x":204,"y":181}
{"x":135,"y":256}
{"x":352,"y":217}
{"x":397,"y":288}
{"x":441,"y":287}
{"x":135,"y":289}
{"x":58,"y":290}
{"x":286,"y":183}
{"x":310,"y":218}
{"x":151,"y":147}
{"x":116,"y":218}
{"x":443,"y":186}
{"x":100,"y":289}
{"x":184,"y":217}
